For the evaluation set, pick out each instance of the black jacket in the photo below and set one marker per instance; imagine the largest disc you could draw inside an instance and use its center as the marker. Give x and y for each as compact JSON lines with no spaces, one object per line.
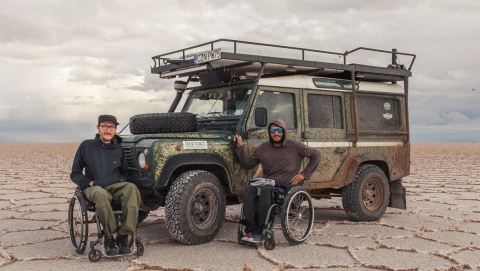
{"x":105,"y":164}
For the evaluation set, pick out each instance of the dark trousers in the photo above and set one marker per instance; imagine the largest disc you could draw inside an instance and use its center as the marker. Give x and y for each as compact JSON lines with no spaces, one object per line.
{"x":255,"y":208}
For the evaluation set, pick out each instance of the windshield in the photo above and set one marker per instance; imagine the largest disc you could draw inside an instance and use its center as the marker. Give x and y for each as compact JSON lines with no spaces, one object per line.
{"x":222,"y":101}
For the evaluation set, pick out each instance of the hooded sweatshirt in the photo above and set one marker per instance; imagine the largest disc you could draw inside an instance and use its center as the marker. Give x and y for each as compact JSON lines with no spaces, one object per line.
{"x":104,"y":164}
{"x":281,"y":163}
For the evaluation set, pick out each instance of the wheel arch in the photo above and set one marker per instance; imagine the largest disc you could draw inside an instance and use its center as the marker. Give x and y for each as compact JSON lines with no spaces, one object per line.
{"x":181,"y":163}
{"x":359,"y":160}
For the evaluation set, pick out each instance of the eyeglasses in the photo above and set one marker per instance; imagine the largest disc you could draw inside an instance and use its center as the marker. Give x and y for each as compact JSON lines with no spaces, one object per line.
{"x":109,"y":127}
{"x":273,"y":130}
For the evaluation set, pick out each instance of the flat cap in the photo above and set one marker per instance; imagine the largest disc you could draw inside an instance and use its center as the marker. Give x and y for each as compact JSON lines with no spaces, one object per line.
{"x":110,"y":118}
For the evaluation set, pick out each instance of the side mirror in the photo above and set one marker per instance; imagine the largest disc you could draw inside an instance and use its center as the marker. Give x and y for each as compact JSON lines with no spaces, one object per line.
{"x":260,"y":117}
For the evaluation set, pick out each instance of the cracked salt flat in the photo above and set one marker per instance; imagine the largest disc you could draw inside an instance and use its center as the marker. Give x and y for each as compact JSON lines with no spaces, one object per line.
{"x":440,"y":230}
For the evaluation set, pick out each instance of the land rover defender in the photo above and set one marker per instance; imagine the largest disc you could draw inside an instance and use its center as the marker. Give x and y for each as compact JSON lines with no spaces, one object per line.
{"x":356,"y":115}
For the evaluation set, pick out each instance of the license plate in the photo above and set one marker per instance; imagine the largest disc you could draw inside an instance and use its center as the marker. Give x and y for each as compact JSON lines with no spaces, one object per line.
{"x":207,"y":56}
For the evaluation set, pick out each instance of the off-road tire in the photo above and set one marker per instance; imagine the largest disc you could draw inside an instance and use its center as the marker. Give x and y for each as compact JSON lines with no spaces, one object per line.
{"x":195,"y":207}
{"x":366,"y":199}
{"x":171,"y":122}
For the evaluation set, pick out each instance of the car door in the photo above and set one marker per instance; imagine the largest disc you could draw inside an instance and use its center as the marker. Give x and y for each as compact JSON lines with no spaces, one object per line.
{"x":283,"y":103}
{"x":325,"y":130}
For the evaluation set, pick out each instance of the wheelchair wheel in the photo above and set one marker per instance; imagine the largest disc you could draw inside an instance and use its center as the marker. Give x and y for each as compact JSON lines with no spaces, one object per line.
{"x":269,"y":244}
{"x":297,"y":215}
{"x":94,"y":255}
{"x":78,"y":224}
{"x":140,"y":247}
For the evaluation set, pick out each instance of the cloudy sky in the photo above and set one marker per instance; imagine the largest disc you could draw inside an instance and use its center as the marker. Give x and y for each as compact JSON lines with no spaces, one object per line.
{"x":64,"y":62}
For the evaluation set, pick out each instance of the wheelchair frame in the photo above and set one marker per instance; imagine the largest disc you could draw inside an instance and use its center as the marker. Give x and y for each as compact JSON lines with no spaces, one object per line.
{"x":78,"y":222}
{"x":292,"y":210}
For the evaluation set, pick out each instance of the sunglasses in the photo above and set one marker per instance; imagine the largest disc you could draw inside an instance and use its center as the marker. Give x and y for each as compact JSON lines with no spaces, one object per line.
{"x":273,"y":130}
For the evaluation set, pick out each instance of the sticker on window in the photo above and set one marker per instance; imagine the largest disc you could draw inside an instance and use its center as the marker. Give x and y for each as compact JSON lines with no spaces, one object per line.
{"x":388,"y":116}
{"x":387,"y":106}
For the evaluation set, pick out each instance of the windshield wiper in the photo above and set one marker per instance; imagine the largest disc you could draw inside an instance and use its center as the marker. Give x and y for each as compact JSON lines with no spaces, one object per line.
{"x":219,"y":118}
{"x":218,"y":113}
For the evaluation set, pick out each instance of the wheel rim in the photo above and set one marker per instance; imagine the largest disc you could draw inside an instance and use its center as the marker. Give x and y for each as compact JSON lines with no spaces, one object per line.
{"x":372,"y":194}
{"x":77,"y":223}
{"x":204,"y":209}
{"x":299,"y":217}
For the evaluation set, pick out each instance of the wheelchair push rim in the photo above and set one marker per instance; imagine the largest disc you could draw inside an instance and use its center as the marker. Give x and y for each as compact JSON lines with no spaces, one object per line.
{"x":297,"y":215}
{"x":78,"y":224}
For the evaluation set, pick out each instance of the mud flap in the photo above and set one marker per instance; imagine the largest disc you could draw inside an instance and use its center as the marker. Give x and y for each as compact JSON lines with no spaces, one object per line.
{"x":398,"y":195}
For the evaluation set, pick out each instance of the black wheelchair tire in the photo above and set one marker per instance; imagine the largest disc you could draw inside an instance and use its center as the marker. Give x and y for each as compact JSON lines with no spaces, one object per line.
{"x":77,"y":217}
{"x":94,"y":255}
{"x":292,"y":215}
{"x":269,"y":244}
{"x":140,"y":247}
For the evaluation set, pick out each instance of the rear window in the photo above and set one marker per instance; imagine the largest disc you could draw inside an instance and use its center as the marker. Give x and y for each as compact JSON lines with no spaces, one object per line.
{"x":378,"y":113}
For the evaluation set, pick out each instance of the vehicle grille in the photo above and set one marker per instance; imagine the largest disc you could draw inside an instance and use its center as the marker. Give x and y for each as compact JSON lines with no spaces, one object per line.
{"x":128,"y":151}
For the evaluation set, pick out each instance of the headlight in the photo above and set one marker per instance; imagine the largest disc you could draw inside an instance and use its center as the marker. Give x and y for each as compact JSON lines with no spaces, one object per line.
{"x":141,"y":160}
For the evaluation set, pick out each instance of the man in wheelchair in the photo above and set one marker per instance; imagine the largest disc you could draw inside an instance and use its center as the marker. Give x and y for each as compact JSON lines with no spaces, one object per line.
{"x":281,"y":159}
{"x":98,"y":169}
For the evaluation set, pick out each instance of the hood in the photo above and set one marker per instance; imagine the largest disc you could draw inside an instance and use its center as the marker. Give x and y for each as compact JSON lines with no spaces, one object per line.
{"x":280,"y":123}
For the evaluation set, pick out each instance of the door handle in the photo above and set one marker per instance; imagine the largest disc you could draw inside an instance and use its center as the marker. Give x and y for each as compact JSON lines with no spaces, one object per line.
{"x":340,"y":150}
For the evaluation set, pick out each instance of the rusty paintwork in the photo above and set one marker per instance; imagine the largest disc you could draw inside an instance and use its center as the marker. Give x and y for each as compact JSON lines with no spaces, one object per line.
{"x":168,"y":148}
{"x":343,"y":150}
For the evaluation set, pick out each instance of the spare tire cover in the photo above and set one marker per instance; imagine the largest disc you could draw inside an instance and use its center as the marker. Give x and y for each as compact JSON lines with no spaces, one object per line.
{"x":171,"y":122}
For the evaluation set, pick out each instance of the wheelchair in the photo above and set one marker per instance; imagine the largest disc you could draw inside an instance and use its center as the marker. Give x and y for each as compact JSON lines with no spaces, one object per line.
{"x":295,"y":208}
{"x":78,"y":221}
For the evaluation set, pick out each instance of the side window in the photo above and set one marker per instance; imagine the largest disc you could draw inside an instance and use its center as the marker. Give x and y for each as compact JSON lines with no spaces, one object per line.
{"x":378,"y":113}
{"x":279,"y":105}
{"x":324,"y":111}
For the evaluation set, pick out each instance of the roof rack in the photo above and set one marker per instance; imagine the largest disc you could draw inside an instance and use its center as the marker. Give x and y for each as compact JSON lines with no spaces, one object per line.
{"x":243,"y":59}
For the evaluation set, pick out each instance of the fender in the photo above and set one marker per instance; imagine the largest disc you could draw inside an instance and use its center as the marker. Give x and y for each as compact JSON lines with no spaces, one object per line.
{"x":373,"y":158}
{"x":190,"y":159}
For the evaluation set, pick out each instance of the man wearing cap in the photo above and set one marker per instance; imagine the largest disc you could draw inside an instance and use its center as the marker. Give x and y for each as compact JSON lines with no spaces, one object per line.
{"x":99,"y":168}
{"x":281,"y":159}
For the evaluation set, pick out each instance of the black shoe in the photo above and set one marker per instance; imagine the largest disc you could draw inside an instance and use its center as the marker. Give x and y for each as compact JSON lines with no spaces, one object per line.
{"x":110,"y":246}
{"x":122,"y":242}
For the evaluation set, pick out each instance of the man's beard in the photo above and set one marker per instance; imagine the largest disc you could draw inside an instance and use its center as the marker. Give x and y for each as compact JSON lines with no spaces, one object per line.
{"x":277,"y":141}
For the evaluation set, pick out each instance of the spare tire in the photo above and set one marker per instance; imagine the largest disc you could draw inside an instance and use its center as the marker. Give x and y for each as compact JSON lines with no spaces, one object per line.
{"x":172,"y":122}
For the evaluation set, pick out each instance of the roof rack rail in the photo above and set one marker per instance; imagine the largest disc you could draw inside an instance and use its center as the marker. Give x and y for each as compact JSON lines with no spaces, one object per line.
{"x":242,"y":58}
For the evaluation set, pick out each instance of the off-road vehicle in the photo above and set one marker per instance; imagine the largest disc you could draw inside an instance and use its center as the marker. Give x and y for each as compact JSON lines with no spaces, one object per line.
{"x":355,"y":114}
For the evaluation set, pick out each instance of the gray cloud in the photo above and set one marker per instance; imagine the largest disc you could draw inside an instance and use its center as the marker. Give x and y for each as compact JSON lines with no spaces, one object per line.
{"x":65,"y":62}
